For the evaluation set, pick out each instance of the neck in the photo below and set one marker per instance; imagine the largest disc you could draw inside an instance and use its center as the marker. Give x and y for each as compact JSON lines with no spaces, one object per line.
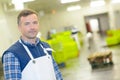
{"x":31,"y":41}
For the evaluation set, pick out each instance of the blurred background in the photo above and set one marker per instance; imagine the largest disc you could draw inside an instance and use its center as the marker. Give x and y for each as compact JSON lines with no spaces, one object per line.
{"x":75,"y":29}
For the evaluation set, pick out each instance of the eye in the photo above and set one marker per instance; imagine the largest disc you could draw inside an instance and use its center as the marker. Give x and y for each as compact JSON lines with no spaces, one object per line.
{"x":27,"y":23}
{"x":35,"y":22}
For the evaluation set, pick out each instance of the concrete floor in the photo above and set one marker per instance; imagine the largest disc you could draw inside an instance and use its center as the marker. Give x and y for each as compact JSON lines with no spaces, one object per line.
{"x":80,"y":69}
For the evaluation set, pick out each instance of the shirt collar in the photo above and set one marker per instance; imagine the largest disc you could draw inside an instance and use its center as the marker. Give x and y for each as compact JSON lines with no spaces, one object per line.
{"x":30,"y":44}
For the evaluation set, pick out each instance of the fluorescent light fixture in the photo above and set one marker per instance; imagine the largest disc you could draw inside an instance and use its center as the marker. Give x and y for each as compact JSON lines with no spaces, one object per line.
{"x":97,"y":3}
{"x":19,"y":4}
{"x":68,"y":1}
{"x":73,"y":8}
{"x":115,"y":1}
{"x":21,"y":1}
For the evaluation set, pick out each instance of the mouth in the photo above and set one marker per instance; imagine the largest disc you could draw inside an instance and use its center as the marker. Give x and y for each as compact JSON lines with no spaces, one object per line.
{"x":32,"y":31}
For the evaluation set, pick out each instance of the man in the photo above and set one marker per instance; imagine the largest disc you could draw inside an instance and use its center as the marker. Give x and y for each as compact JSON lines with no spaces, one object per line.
{"x":29,"y":58}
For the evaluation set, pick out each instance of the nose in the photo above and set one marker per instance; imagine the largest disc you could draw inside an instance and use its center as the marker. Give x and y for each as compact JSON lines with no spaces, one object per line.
{"x":32,"y":26}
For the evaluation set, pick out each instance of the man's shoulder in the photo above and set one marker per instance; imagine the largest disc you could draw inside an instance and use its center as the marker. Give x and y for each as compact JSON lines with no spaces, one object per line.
{"x":11,"y":49}
{"x":45,"y":44}
{"x":14,"y":46}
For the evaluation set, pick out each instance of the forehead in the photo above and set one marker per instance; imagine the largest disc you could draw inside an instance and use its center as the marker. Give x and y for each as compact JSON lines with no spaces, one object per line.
{"x":30,"y":17}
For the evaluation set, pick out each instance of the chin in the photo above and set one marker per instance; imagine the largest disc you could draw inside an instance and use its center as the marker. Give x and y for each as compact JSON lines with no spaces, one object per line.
{"x":32,"y":37}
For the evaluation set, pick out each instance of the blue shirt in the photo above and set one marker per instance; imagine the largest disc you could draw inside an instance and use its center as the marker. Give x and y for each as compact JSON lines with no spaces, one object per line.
{"x":12,"y":69}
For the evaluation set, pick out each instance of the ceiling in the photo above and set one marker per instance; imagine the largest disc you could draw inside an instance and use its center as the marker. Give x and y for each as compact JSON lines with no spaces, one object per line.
{"x":48,"y":5}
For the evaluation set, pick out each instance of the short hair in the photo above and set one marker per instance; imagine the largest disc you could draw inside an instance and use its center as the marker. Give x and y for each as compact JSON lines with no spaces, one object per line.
{"x":25,"y":13}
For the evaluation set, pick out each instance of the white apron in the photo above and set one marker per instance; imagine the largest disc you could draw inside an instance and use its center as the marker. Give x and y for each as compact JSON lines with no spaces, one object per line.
{"x":40,"y":68}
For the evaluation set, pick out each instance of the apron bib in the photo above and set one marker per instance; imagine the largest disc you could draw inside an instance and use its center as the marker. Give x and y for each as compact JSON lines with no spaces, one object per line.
{"x":39,"y":68}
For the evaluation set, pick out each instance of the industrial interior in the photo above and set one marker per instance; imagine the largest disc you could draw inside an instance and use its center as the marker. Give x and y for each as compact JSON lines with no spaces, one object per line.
{"x":84,"y":34}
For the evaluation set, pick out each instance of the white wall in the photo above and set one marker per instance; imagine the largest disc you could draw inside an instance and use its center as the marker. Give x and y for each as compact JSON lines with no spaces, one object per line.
{"x":61,"y":20}
{"x":5,"y":36}
{"x":11,"y":19}
{"x":114,"y":16}
{"x":116,"y":12}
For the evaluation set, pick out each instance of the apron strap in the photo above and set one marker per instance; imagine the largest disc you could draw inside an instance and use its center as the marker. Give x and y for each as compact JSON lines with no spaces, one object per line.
{"x":26,"y":48}
{"x":49,"y":49}
{"x":45,"y":51}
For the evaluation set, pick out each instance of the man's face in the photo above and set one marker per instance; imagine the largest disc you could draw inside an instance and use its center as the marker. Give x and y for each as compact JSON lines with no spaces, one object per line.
{"x":29,"y":26}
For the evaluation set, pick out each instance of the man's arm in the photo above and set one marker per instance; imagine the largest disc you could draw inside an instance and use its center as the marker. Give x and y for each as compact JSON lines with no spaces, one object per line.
{"x":57,"y":72}
{"x":11,"y":67}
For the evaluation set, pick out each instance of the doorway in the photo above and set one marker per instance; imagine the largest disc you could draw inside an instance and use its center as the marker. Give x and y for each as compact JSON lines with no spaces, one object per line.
{"x":97,"y":23}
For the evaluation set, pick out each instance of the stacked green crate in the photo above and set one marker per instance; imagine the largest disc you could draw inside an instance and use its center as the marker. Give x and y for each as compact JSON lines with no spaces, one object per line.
{"x":117,"y":33}
{"x":65,"y":47}
{"x":57,"y":47}
{"x":70,"y":48}
{"x":113,"y":37}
